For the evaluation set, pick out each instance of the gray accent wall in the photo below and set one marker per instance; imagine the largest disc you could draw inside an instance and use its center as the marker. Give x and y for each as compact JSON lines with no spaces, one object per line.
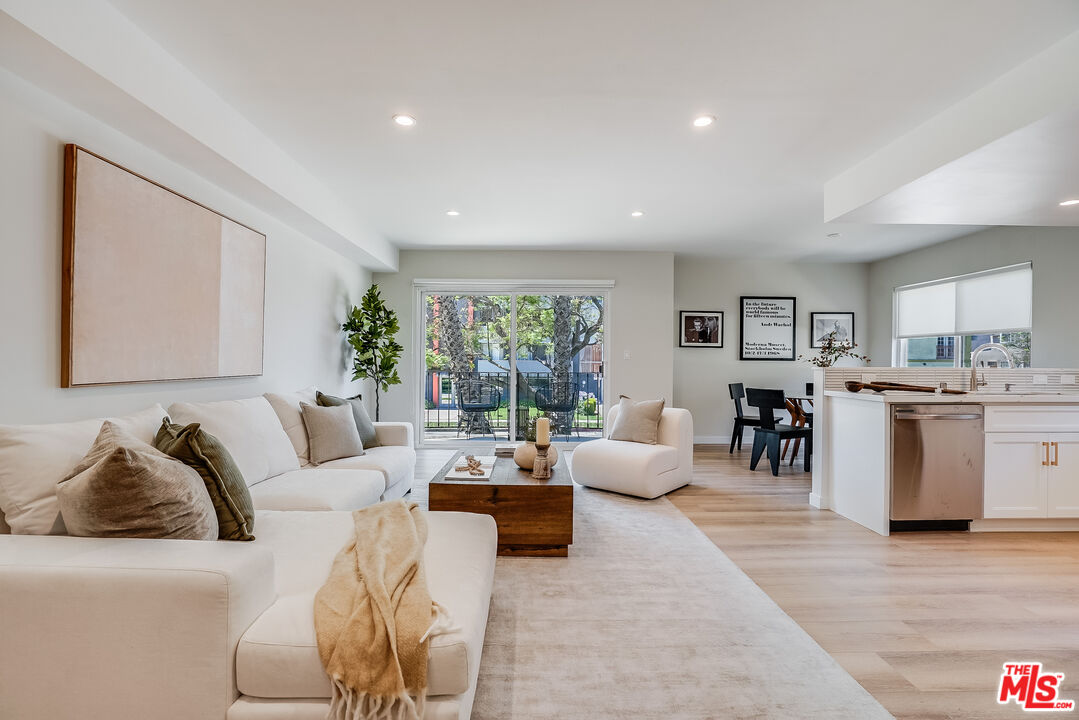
{"x":701,"y":375}
{"x":1054,"y":254}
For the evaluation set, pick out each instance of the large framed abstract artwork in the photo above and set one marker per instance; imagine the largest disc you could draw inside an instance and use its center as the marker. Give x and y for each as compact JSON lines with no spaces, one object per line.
{"x":155,"y":285}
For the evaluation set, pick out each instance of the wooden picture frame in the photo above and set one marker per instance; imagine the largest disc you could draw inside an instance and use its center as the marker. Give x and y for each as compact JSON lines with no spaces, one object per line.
{"x":842,"y":322}
{"x":700,"y":328}
{"x":768,"y":328}
{"x":155,"y":286}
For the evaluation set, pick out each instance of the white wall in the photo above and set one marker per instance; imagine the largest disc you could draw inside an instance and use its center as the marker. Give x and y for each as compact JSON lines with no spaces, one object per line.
{"x":701,"y":375}
{"x":1054,"y":253}
{"x":640,"y":314}
{"x":307,"y":286}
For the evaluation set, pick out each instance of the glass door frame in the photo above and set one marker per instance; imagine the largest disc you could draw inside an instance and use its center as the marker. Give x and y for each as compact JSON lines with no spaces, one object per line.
{"x":421,"y":289}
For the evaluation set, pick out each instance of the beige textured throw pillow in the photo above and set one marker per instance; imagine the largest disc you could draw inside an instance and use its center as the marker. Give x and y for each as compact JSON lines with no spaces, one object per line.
{"x":331,"y":432}
{"x":637,"y":421}
{"x":126,"y":488}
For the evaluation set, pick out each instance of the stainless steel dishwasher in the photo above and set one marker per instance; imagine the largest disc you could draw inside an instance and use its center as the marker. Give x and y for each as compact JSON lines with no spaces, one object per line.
{"x":938,"y":456}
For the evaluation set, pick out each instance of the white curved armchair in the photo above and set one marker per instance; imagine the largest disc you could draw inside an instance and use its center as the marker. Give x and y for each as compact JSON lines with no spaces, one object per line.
{"x":646,"y":471}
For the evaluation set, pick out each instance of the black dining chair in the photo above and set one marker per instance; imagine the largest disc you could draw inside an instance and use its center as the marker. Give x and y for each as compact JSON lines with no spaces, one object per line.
{"x":741,"y":420}
{"x":770,"y":434}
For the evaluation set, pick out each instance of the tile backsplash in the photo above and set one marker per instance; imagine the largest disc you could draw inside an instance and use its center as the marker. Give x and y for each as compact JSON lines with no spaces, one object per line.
{"x":1060,"y":379}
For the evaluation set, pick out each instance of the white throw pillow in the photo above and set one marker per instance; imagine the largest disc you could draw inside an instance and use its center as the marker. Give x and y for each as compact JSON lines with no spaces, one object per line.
{"x":249,"y":429}
{"x":287,"y":407}
{"x":34,"y":458}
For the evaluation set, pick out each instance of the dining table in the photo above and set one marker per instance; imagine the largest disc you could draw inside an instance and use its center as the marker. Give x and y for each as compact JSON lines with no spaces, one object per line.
{"x":800,"y":417}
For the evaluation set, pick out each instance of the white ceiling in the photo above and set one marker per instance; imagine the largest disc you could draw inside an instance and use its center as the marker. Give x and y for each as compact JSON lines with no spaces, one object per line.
{"x":545,"y":124}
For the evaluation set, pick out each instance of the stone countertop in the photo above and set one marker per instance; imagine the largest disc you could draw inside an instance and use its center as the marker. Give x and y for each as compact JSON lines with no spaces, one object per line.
{"x":970,"y":398}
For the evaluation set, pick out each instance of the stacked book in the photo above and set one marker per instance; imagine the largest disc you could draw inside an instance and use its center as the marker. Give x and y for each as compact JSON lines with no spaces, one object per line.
{"x":505,"y":449}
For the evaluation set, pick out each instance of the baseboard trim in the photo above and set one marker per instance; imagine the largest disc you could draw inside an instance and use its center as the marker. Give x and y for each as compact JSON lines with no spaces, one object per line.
{"x":816,"y":501}
{"x":711,"y":439}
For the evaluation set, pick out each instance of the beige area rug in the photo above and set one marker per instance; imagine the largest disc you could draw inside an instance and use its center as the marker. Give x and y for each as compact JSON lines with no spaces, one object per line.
{"x":647,"y":619}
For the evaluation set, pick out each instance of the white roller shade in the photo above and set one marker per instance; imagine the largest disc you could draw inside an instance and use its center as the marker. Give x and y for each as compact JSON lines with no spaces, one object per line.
{"x":981,"y":303}
{"x":926,"y":311}
{"x":994,"y":303}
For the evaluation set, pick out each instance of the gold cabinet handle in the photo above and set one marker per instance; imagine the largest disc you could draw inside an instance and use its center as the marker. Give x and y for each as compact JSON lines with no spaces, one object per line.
{"x":1056,"y":454}
{"x":1045,"y":447}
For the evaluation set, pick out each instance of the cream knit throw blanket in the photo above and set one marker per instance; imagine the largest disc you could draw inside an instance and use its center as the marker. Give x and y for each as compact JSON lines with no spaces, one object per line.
{"x":374,"y":617}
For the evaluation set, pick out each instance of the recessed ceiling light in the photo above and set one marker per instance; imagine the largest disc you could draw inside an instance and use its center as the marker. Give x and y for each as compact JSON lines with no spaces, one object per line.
{"x":703,"y":120}
{"x":834,"y":235}
{"x":1069,"y":202}
{"x":452,"y":213}
{"x":404,"y":120}
{"x":636,"y":213}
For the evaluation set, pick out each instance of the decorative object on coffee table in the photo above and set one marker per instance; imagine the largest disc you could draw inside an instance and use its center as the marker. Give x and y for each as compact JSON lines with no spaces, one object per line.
{"x":534,"y":517}
{"x":541,"y":467}
{"x":525,"y":455}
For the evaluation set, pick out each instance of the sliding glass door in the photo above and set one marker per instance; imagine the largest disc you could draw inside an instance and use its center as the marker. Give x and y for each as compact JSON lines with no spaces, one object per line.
{"x":495,"y":362}
{"x":560,"y":364}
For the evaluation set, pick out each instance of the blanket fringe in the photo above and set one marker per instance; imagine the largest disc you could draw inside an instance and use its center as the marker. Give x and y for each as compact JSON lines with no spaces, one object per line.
{"x":442,"y":624}
{"x":348,"y":704}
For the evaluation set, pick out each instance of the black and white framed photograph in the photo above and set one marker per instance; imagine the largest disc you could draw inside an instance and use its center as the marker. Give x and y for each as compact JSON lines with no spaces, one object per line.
{"x":821,"y":324}
{"x":768,"y":328}
{"x":700,"y":328}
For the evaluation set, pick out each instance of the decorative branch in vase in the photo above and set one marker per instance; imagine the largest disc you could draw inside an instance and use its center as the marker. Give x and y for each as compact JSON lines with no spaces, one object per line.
{"x":833,"y":350}
{"x":371,"y":330}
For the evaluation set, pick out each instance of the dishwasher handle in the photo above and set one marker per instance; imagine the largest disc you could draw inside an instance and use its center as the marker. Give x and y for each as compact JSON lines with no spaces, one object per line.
{"x":936,"y":416}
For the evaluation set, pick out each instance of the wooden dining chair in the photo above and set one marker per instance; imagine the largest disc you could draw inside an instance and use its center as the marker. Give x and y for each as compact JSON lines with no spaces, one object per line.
{"x":769,"y":434}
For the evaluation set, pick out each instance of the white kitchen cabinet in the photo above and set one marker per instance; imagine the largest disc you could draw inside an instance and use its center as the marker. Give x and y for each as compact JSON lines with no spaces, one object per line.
{"x":1016,"y":475}
{"x":1063,"y":475}
{"x":1031,"y":475}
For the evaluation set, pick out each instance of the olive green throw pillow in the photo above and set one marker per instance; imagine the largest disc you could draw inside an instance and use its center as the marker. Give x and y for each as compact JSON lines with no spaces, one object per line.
{"x":364,"y":425}
{"x":200,"y":450}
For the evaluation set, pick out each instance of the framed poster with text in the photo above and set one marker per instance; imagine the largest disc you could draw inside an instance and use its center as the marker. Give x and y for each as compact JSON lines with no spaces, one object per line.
{"x":767,"y":328}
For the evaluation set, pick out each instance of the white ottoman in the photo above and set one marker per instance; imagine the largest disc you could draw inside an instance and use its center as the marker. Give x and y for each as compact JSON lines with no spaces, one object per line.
{"x":646,"y":471}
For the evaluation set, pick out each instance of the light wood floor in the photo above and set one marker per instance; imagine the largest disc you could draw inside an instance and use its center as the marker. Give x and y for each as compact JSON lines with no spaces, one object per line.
{"x":923,"y":621}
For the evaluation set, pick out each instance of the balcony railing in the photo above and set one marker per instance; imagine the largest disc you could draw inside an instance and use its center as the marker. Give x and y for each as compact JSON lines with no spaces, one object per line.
{"x":574,"y":404}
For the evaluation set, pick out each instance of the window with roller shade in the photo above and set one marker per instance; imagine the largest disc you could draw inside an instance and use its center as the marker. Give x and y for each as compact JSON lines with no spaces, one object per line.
{"x":939,"y":323}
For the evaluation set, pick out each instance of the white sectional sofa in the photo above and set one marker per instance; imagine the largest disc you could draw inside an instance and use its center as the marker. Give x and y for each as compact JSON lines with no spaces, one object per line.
{"x":266,"y":437}
{"x":131,"y":628}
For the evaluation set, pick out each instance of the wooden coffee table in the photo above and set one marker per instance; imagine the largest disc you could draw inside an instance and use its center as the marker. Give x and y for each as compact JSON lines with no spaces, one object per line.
{"x":534,"y":517}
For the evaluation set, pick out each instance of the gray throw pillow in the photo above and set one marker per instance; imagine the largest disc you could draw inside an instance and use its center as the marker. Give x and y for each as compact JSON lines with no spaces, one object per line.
{"x":364,"y":425}
{"x":331,"y":432}
{"x":123,"y":487}
{"x":637,"y":421}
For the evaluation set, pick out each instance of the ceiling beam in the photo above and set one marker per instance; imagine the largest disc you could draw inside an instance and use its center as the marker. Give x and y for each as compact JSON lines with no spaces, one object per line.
{"x":90,"y":55}
{"x":1046,"y":84}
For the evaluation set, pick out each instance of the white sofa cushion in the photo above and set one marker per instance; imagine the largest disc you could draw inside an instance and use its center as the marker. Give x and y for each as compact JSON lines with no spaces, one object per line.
{"x":249,"y":429}
{"x":287,"y":407}
{"x":396,"y":463}
{"x":626,"y":467}
{"x":278,"y":656}
{"x":34,"y":458}
{"x":317,"y":489}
